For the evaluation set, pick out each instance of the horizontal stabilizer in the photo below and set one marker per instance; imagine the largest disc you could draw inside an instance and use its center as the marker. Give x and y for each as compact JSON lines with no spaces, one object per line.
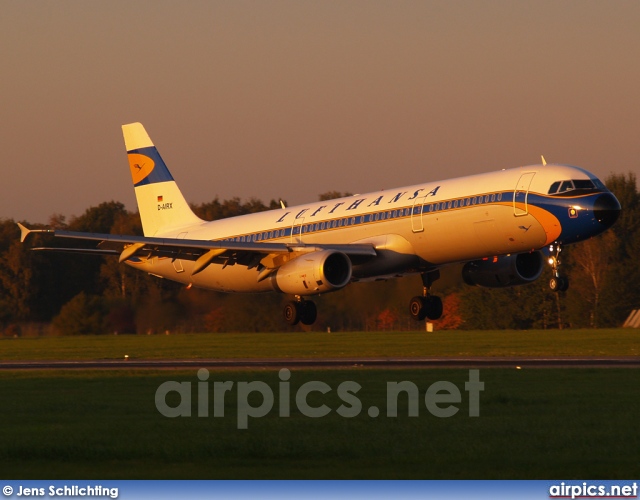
{"x":25,"y":231}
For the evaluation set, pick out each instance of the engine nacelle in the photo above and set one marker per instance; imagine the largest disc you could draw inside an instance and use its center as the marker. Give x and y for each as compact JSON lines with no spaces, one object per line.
{"x":313,"y":273}
{"x":511,"y":270}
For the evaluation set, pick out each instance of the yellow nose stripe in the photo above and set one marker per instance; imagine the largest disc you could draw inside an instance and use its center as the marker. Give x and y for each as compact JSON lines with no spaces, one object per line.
{"x":549,"y":222}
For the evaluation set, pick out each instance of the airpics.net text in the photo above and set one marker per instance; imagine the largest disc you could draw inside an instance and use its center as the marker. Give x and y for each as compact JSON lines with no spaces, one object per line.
{"x":256,"y":399}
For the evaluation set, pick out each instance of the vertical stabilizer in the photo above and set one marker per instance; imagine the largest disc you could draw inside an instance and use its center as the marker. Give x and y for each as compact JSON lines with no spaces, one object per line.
{"x":160,"y":203}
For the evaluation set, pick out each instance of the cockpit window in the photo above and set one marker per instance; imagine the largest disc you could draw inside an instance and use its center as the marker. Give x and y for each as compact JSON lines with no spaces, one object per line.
{"x":554,"y":187}
{"x":583,"y":184}
{"x":576,"y":186}
{"x":566,"y":186}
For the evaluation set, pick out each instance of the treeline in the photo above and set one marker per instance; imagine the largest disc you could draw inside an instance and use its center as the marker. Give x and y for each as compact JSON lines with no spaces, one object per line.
{"x":62,"y":293}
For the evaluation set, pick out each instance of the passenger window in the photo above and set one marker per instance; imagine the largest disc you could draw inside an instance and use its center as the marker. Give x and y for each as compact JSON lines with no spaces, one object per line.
{"x":493,"y":198}
{"x":499,"y":196}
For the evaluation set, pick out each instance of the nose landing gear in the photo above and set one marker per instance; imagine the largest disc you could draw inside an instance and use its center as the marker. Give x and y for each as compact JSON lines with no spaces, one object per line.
{"x":558,"y":282}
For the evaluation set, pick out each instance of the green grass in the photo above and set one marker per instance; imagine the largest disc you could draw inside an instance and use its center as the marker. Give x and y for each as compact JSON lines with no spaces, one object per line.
{"x":539,"y":423}
{"x":531,"y":343}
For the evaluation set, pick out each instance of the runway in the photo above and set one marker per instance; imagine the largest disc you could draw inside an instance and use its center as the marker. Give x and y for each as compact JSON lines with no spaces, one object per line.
{"x":325,"y":363}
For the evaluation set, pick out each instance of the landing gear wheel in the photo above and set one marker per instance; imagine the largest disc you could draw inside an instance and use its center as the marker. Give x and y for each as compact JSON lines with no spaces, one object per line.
{"x":434,"y":307}
{"x":303,"y":311}
{"x":417,"y":308}
{"x":559,"y":284}
{"x":291,"y":313}
{"x":308,"y":312}
{"x":429,"y":307}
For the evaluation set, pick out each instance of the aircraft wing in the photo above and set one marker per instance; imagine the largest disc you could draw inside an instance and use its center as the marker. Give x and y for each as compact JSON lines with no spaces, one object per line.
{"x":203,"y":252}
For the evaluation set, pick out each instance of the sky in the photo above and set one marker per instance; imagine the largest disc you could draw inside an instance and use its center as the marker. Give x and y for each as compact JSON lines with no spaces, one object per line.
{"x":289,"y":99}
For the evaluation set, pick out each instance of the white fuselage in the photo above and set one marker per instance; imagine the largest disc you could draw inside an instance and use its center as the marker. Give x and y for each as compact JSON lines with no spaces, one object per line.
{"x":412,"y":227}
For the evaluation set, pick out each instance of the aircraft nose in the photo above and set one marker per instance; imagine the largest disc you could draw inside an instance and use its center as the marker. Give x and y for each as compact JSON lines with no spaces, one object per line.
{"x":606,"y":209}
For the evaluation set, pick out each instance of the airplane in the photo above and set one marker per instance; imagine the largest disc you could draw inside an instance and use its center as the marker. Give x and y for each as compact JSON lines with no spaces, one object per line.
{"x":502,"y":225}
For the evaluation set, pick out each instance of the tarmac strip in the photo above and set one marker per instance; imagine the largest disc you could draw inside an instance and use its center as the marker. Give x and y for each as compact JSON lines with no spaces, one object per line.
{"x":336,"y":363}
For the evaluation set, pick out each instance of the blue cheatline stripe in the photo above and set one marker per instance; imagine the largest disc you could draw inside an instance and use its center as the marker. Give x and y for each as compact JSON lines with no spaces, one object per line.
{"x":375,"y":217}
{"x":160,"y":172}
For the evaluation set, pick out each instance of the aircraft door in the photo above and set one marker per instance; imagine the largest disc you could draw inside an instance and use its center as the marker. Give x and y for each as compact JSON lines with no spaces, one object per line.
{"x":521,"y":194}
{"x":297,"y":230}
{"x":417,"y":224}
{"x":177,"y":263}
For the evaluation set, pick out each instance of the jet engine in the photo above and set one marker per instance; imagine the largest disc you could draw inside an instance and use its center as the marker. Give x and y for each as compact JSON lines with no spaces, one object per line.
{"x":509,"y":270}
{"x":313,"y":273}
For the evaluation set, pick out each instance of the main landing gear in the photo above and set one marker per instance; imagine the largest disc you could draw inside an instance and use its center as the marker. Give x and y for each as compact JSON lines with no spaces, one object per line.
{"x":558,"y":282}
{"x":428,"y":306}
{"x":300,"y":310}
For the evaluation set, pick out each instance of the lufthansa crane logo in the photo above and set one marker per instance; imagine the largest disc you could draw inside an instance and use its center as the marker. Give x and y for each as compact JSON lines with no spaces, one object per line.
{"x":141,"y":166}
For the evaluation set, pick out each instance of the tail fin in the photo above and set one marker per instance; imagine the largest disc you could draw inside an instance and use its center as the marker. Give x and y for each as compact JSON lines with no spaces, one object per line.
{"x":160,"y":202}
